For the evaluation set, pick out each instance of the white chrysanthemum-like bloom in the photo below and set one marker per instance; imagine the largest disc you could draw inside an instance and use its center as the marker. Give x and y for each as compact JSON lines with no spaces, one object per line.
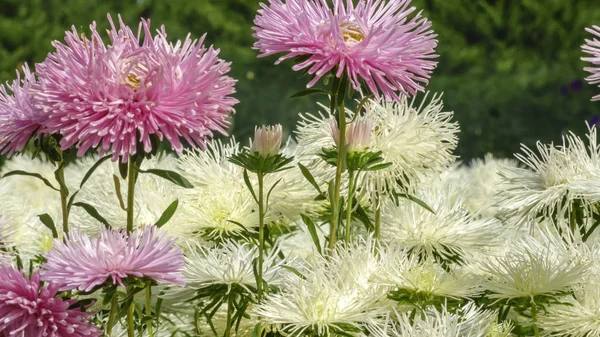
{"x":543,"y":266}
{"x":408,"y":273}
{"x":153,"y":195}
{"x":446,"y":235}
{"x":479,"y":183}
{"x":220,"y":201}
{"x":25,"y":198}
{"x":577,"y":315}
{"x":468,"y":321}
{"x":335,"y":294}
{"x":418,"y":139}
{"x":553,"y":180}
{"x":230,"y":264}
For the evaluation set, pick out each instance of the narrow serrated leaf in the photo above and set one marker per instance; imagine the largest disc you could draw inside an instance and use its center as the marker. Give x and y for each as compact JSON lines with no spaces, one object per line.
{"x":91,"y":210}
{"x":306,"y":173}
{"x":89,"y":173}
{"x":167,"y":214}
{"x":416,"y":200}
{"x":294,"y":270}
{"x":312,"y":229}
{"x":249,"y":185}
{"x":171,"y":176}
{"x":46,"y":219}
{"x":310,"y":91}
{"x":117,"y":183}
{"x":29,"y":174}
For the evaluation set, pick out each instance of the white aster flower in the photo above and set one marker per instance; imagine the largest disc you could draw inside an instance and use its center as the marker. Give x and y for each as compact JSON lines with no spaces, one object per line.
{"x":230,"y":264}
{"x":577,"y":315}
{"x":469,"y":321}
{"x":408,"y":274}
{"x":25,"y":198}
{"x":417,"y":139}
{"x":553,"y":181}
{"x":545,"y":266}
{"x":335,"y":294}
{"x":220,"y":201}
{"x":446,"y":235}
{"x":300,"y":244}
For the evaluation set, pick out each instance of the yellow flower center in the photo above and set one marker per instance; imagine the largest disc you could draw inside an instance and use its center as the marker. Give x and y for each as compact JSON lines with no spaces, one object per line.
{"x":133,"y":79}
{"x":352,"y":33}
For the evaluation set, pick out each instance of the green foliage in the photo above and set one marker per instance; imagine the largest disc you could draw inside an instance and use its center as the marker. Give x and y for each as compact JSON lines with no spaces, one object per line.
{"x":503,"y":63}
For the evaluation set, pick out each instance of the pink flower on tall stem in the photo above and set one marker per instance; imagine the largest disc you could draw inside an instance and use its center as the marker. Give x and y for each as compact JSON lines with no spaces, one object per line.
{"x":19,"y":118}
{"x":592,"y":47}
{"x":83,"y":263}
{"x":28,"y":309}
{"x":374,"y":41}
{"x":112,"y":97}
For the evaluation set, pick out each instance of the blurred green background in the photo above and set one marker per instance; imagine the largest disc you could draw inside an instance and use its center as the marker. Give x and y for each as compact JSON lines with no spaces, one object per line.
{"x":510,"y":69}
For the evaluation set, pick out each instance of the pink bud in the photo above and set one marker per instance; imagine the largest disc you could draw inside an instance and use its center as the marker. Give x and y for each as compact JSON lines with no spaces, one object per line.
{"x":358,"y":134}
{"x":267,"y":140}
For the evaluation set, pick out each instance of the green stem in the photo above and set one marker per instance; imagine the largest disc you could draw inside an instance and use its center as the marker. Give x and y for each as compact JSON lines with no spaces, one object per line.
{"x":131,"y":178}
{"x":349,"y":205}
{"x":64,"y":196}
{"x":335,"y":199}
{"x":536,"y":330}
{"x":149,"y":326}
{"x":130,"y":313}
{"x":261,"y":235}
{"x":114,"y":305}
{"x":229,"y":315}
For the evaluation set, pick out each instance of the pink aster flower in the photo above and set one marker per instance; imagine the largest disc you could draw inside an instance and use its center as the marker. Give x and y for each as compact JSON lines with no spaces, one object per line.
{"x":115,"y":96}
{"x":19,"y":119}
{"x":28,"y":309}
{"x":374,"y":41}
{"x":83,"y":263}
{"x":592,"y":47}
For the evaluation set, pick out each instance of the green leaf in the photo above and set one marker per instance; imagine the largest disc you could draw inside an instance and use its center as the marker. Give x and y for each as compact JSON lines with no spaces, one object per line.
{"x":306,"y":173}
{"x":117,"y":183}
{"x":167,"y":214}
{"x":312,"y":229}
{"x":249,"y":185}
{"x":310,"y":91}
{"x":35,"y":175}
{"x":416,"y":200}
{"x":171,"y":176}
{"x":71,"y":200}
{"x":91,"y":210}
{"x":295,"y":271}
{"x":89,"y":173}
{"x":59,"y":175}
{"x":269,"y":194}
{"x":48,"y":222}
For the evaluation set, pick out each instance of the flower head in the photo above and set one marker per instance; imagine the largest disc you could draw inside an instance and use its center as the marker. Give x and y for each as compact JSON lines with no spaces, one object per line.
{"x":116,"y":96}
{"x":230,"y":264}
{"x":592,"y":47}
{"x":19,"y":118}
{"x":267,"y":140}
{"x":358,"y":134}
{"x":28,"y":308}
{"x":533,"y":267}
{"x":467,"y":321}
{"x":374,"y":41}
{"x":577,"y":315}
{"x":84,"y":263}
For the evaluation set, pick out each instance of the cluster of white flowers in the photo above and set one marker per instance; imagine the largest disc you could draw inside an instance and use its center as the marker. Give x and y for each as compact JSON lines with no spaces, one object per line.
{"x":492,"y":248}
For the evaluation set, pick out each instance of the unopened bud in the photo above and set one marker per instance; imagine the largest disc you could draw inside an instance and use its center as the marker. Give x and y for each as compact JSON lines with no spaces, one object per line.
{"x":358,"y":135}
{"x":267,"y":140}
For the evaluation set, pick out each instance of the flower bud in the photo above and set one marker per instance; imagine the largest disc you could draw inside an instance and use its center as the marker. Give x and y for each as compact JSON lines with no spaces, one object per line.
{"x":267,"y":140}
{"x":358,"y":135}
